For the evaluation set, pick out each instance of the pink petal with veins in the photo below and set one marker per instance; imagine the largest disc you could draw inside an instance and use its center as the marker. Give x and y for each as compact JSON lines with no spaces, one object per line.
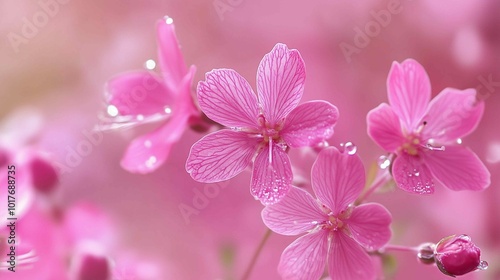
{"x":412,"y":175}
{"x":139,"y":93}
{"x":309,"y":124}
{"x":280,"y":82}
{"x":348,"y":260}
{"x":337,"y":178}
{"x":305,"y":258}
{"x":227,"y":98}
{"x":384,"y":128}
{"x":272,"y":175}
{"x":369,"y":224}
{"x":220,"y":156}
{"x":296,"y":213}
{"x":452,"y":114}
{"x":458,"y":168}
{"x":409,"y":92}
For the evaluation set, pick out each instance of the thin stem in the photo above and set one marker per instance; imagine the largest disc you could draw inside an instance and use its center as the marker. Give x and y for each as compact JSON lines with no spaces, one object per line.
{"x":255,"y":256}
{"x":382,"y":178}
{"x":398,"y":248}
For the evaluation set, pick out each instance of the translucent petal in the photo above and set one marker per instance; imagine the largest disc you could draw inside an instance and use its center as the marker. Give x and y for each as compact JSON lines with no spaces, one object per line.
{"x":369,"y":224}
{"x":280,"y":82}
{"x":348,"y":260}
{"x":309,"y":124}
{"x":412,"y":175}
{"x":220,"y":156}
{"x":384,"y":128}
{"x":296,"y":213}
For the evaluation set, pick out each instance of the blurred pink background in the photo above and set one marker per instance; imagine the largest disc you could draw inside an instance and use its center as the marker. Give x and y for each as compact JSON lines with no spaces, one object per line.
{"x":58,"y":75}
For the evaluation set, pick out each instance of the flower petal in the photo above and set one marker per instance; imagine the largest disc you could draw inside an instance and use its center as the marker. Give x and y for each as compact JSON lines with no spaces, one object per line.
{"x":220,"y":156}
{"x":305,"y":258}
{"x":458,"y":168}
{"x":369,"y":224}
{"x":148,"y":152}
{"x":272,"y":175}
{"x":309,"y":124}
{"x":170,"y":56}
{"x":409,"y":91}
{"x":227,"y":98}
{"x":384,"y":128}
{"x":452,"y":114}
{"x":348,"y":260}
{"x":412,"y":175}
{"x":296,"y":213}
{"x":138,"y":93}
{"x":280,"y":82}
{"x":337,"y":178}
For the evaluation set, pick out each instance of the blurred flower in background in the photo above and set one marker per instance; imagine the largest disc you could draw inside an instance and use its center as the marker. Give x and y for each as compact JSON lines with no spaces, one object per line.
{"x":57,"y":56}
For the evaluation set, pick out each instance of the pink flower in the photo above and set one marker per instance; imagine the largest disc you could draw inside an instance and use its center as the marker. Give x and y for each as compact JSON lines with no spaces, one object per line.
{"x":338,"y":232}
{"x":425,"y":135}
{"x":457,"y":255}
{"x":144,"y":96}
{"x":265,"y":123}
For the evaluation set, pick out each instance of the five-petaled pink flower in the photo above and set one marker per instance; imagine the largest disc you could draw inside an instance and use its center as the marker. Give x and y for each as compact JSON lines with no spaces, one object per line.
{"x":425,"y":135}
{"x":144,"y":96}
{"x":338,"y":232}
{"x":265,"y":123}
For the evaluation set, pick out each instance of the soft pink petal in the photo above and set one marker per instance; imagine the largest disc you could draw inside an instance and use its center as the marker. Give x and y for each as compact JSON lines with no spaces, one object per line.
{"x":272,"y":175}
{"x":305,"y":258}
{"x":280,"y":82}
{"x":170,"y":57}
{"x":369,"y":224}
{"x":452,"y":114}
{"x":148,"y":152}
{"x":227,"y":98}
{"x":337,"y":178}
{"x":409,"y":91}
{"x":310,"y":123}
{"x":384,"y":128}
{"x":220,"y":156}
{"x":138,"y":93}
{"x":412,"y":175}
{"x":348,"y":260}
{"x":296,"y":213}
{"x":458,"y":168}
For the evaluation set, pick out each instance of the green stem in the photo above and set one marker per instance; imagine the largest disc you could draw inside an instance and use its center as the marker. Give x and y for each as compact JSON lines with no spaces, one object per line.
{"x":255,"y":256}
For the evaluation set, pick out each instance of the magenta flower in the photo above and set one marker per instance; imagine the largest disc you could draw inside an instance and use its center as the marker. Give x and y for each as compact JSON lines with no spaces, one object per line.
{"x":265,"y":123}
{"x":144,"y":96}
{"x":425,"y":135}
{"x":338,"y":232}
{"x":457,"y":255}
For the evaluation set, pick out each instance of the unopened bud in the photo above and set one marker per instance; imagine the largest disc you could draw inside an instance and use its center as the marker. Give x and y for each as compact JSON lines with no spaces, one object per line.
{"x":457,"y":255}
{"x":44,"y":175}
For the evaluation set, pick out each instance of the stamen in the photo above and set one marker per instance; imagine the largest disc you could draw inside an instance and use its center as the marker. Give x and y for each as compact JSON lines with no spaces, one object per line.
{"x":433,"y":148}
{"x":270,"y":150}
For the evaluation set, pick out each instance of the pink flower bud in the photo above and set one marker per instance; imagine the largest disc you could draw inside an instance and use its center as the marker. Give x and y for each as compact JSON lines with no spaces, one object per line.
{"x":457,"y":255}
{"x":44,"y":175}
{"x":93,"y":268}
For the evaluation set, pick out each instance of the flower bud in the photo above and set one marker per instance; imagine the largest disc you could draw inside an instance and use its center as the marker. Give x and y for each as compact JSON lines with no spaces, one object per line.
{"x":457,"y":255}
{"x":44,"y":175}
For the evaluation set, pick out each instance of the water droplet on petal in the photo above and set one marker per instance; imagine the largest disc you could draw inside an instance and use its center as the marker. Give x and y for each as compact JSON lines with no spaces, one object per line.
{"x":483,"y":265}
{"x":236,"y":128}
{"x":459,"y":141}
{"x":112,"y":110}
{"x":139,"y":117}
{"x":384,"y":162}
{"x":167,"y":110}
{"x":150,"y":64}
{"x":151,"y":161}
{"x":323,"y":144}
{"x":147,"y":144}
{"x":350,"y":148}
{"x":169,"y":20}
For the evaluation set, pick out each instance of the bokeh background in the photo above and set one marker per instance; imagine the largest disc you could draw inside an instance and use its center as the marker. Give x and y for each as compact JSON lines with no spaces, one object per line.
{"x":52,"y":88}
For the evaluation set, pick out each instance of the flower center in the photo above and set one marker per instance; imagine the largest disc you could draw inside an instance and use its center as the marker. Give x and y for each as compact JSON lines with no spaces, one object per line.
{"x":412,"y":145}
{"x":336,"y":222}
{"x":270,"y":133}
